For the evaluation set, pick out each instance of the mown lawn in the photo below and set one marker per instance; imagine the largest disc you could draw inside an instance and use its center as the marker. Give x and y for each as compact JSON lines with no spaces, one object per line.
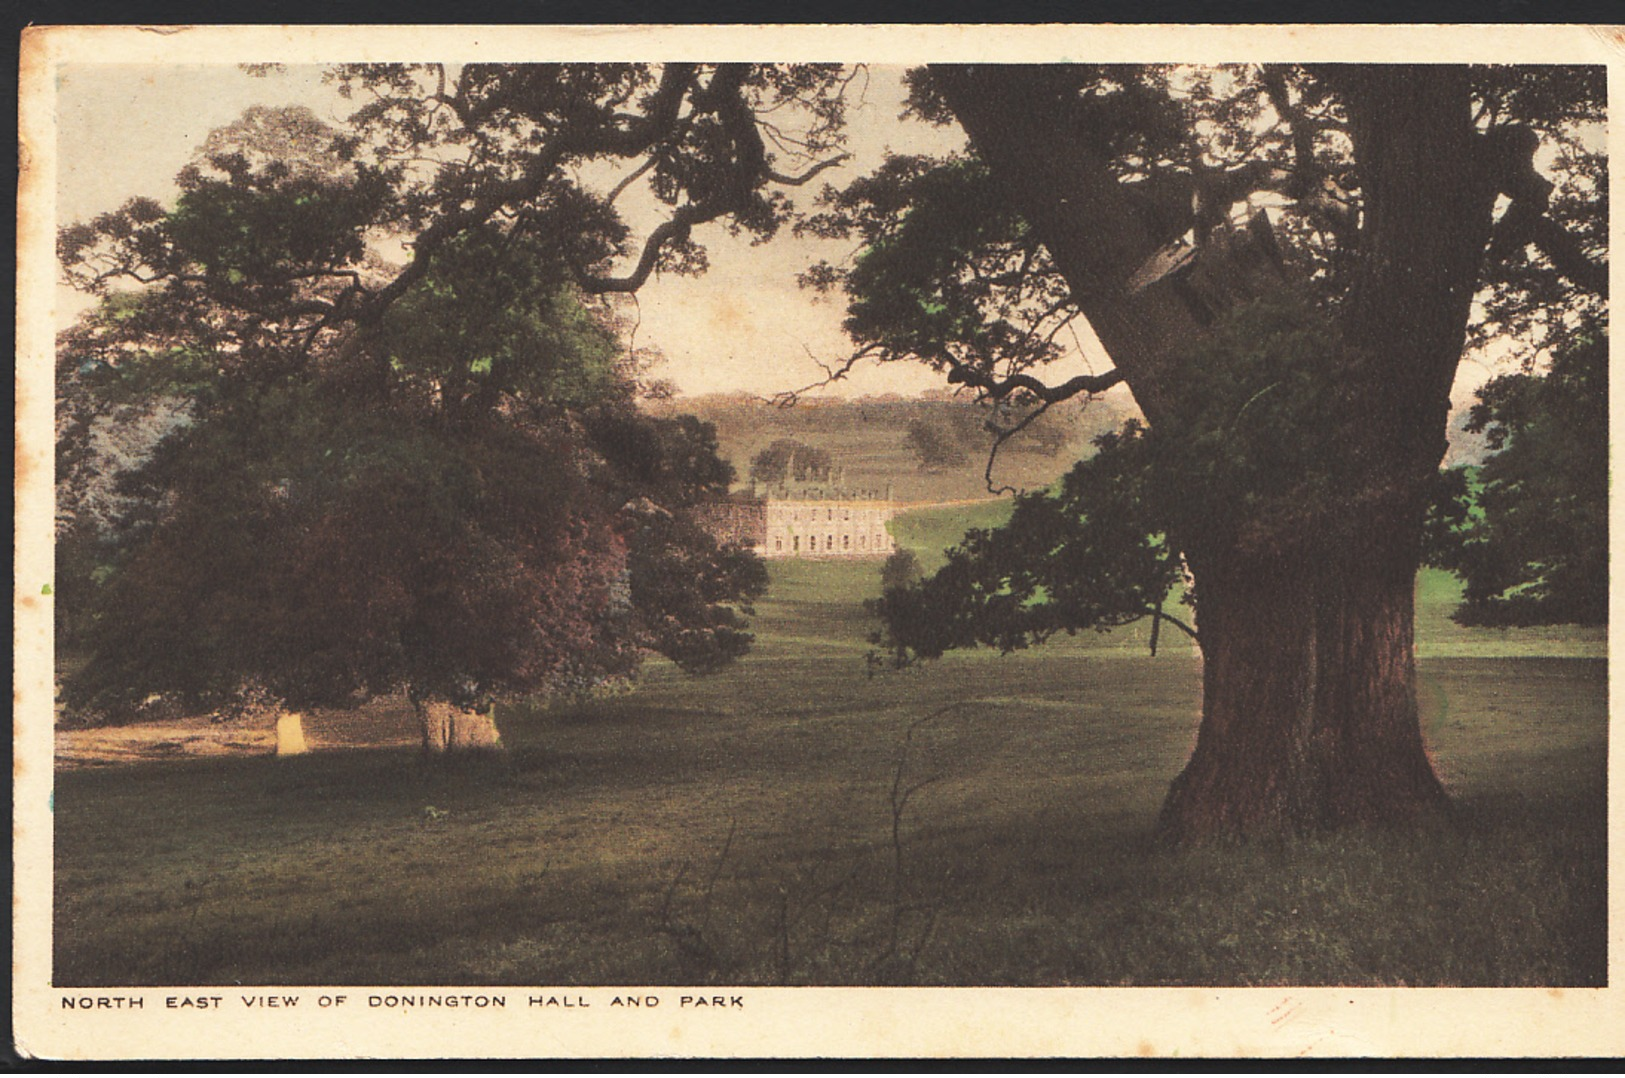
{"x":750,"y":828}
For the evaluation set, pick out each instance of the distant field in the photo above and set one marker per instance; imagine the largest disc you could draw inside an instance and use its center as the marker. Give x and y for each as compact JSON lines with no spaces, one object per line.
{"x":866,"y":437}
{"x":739,"y":829}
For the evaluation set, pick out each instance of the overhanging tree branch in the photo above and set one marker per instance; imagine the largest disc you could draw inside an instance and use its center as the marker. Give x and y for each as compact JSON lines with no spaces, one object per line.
{"x":1563,"y":250}
{"x":1000,"y":388}
{"x":675,"y":230}
{"x":724,"y":99}
{"x":637,"y":137}
{"x":1507,"y":156}
{"x":1000,"y":436}
{"x":797,"y":181}
{"x":1159,"y":615}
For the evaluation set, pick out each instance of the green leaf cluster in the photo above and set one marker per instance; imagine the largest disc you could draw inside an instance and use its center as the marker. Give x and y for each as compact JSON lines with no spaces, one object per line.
{"x":497,"y":314}
{"x":1088,"y":555}
{"x":1256,"y":447}
{"x":1250,"y":459}
{"x":1528,"y":530}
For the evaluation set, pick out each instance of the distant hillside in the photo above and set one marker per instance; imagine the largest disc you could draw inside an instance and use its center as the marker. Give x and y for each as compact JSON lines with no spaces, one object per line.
{"x":869,"y":437}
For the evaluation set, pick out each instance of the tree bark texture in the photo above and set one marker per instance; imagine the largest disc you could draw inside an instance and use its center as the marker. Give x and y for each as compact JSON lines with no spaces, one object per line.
{"x":1309,"y":716}
{"x":448,"y":729}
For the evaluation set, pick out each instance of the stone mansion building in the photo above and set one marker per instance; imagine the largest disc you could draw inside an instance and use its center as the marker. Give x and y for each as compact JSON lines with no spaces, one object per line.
{"x":805,"y":522}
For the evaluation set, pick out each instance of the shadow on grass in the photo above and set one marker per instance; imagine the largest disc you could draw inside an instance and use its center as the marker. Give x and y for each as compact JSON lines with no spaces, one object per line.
{"x":597,"y":850}
{"x":1513,"y":893}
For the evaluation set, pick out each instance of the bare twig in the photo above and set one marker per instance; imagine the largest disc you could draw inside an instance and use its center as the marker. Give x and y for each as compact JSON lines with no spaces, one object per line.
{"x":833,"y":372}
{"x":716,"y":871}
{"x":697,"y":952}
{"x":1002,"y":435}
{"x":898,"y":799}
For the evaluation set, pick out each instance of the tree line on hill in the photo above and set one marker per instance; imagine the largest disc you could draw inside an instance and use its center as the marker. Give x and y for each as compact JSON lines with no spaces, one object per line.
{"x":935,"y":434}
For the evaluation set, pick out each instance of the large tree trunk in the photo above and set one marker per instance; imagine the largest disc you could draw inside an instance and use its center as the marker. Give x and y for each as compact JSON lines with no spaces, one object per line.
{"x":1309,"y":710}
{"x":1309,"y":716}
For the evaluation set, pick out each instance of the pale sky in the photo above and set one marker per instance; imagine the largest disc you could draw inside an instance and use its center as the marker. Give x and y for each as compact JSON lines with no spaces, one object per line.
{"x":126,"y":129}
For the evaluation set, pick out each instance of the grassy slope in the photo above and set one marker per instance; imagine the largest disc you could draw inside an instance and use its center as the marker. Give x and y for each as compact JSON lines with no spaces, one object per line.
{"x":738,"y":829}
{"x":929,"y":532}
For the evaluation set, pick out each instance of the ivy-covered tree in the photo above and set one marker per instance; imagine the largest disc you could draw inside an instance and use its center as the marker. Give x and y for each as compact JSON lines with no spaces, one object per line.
{"x":1281,"y":263}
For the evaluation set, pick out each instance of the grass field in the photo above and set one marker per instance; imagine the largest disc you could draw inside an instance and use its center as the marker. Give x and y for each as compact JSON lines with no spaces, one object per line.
{"x":751,"y":828}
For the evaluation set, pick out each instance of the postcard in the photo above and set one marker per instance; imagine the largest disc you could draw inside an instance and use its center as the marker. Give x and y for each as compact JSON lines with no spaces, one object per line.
{"x":658,"y":542}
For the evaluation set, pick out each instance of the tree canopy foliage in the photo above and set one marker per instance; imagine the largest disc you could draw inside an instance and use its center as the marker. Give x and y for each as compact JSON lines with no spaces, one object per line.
{"x":1253,"y":445}
{"x":1528,"y":530}
{"x":427,"y":475}
{"x":789,"y":459}
{"x":934,"y":445}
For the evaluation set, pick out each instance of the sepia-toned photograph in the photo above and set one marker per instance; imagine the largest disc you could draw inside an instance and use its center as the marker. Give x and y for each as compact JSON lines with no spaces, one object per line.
{"x":989,"y":541}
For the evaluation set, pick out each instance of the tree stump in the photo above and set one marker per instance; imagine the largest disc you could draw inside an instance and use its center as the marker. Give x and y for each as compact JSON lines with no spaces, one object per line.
{"x":290,"y":734}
